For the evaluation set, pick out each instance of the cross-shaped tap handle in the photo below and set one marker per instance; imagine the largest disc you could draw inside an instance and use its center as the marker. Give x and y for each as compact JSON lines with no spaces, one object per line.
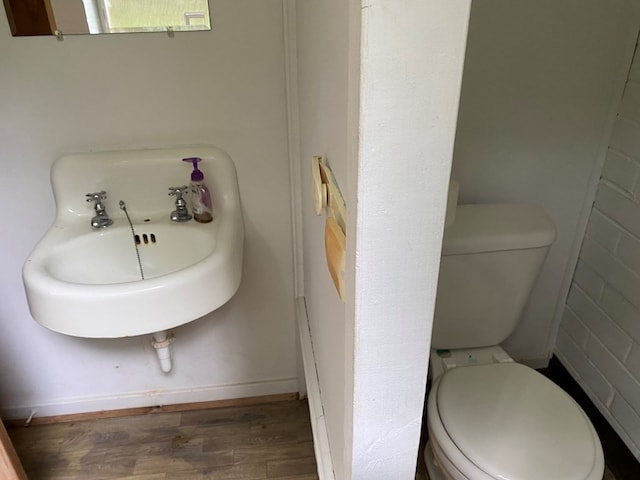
{"x":96,"y":196}
{"x":178,"y":191}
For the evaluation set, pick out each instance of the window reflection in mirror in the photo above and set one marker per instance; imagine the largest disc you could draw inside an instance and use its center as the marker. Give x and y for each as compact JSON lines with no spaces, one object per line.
{"x":45,"y":17}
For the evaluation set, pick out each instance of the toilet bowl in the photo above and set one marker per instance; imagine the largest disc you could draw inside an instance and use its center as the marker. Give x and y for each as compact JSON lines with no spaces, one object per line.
{"x":488,"y":417}
{"x":506,"y":421}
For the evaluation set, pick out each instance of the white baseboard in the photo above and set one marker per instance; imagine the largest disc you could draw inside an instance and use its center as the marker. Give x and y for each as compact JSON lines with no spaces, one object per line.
{"x":67,"y":406}
{"x":316,"y":411}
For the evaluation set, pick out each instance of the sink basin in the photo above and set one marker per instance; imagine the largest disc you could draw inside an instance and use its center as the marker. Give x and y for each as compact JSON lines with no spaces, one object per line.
{"x":87,"y":282}
{"x":169,"y":247}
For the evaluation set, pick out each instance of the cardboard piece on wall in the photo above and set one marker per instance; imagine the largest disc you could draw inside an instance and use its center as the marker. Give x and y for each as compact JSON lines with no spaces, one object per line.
{"x":326,"y":193}
{"x":335,"y":250}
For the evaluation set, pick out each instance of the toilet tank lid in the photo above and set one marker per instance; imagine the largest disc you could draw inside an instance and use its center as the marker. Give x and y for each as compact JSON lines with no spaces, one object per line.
{"x":497,"y":227}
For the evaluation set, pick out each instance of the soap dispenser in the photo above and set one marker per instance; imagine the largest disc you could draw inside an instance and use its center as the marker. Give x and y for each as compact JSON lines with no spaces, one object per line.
{"x":200,"y":195}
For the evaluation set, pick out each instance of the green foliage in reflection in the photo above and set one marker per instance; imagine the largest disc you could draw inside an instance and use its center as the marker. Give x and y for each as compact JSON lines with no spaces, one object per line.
{"x":129,"y":14}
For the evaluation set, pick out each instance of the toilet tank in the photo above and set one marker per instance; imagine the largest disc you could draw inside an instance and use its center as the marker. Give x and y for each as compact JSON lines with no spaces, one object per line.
{"x":491,"y":257}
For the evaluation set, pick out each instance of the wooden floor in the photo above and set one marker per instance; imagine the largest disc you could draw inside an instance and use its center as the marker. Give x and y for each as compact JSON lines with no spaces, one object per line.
{"x":268,"y":441}
{"x":271,"y":441}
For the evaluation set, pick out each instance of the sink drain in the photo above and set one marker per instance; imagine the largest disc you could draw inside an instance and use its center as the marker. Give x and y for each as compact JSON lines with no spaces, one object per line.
{"x":145,"y":238}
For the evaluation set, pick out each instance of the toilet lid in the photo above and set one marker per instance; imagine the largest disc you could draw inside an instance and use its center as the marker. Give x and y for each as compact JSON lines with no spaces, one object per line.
{"x":515,"y":424}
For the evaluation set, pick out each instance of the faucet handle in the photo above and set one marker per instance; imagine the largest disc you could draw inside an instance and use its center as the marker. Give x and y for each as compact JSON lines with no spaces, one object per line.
{"x":180,"y":214}
{"x":96,"y":196}
{"x":178,"y":191}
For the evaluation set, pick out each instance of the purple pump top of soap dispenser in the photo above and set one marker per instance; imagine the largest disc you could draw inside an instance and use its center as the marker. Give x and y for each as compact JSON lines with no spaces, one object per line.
{"x":196,"y":175}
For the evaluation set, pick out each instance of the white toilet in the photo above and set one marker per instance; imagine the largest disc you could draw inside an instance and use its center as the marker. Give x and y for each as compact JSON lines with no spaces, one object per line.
{"x":488,"y":417}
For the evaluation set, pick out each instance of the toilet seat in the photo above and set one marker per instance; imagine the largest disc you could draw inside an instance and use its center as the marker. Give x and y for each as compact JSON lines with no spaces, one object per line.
{"x":506,"y":421}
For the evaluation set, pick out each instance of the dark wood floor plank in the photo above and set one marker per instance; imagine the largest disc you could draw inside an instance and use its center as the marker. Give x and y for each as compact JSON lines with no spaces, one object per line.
{"x":183,"y":461}
{"x":309,"y":476}
{"x":266,"y":431}
{"x":256,"y":471}
{"x":272,"y":452}
{"x":231,"y":441}
{"x":153,"y":476}
{"x":291,"y":467}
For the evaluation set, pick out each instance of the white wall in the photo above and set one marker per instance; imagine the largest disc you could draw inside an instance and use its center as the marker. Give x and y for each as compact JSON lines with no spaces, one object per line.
{"x":382,"y":109}
{"x":599,"y":338}
{"x":411,"y":70}
{"x":224,"y":87}
{"x":323,"y":85}
{"x":540,"y":82}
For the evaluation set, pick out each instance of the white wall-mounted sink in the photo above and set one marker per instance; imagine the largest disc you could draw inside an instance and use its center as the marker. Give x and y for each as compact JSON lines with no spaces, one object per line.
{"x":87,"y":283}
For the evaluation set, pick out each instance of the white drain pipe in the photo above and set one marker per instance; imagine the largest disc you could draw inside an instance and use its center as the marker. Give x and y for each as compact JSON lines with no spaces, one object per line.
{"x":162,"y":343}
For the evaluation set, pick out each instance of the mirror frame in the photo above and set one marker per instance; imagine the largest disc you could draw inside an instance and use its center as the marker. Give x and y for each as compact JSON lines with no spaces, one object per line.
{"x":30,"y":17}
{"x":35,"y":17}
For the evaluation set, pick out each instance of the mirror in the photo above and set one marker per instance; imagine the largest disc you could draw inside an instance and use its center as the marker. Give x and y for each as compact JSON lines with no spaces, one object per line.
{"x":71,"y":17}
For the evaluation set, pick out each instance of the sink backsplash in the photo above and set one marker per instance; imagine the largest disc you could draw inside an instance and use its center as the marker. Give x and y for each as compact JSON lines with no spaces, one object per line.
{"x":144,"y":186}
